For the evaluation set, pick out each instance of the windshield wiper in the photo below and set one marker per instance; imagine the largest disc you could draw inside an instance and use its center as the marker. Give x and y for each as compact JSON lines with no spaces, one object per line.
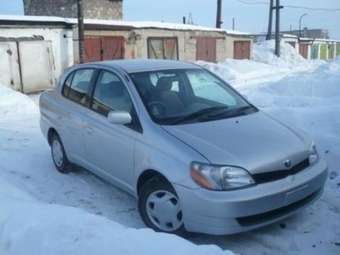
{"x":200,"y":114}
{"x":234,"y":112}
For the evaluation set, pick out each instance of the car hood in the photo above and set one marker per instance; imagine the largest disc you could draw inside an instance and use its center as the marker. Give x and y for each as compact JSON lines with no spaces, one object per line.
{"x":256,"y":142}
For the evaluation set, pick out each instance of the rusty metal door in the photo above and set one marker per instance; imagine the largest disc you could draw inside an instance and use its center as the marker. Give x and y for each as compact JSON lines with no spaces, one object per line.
{"x":206,"y":49}
{"x":92,"y":49}
{"x":303,"y":49}
{"x":241,"y":50}
{"x":104,"y":48}
{"x":112,"y":47}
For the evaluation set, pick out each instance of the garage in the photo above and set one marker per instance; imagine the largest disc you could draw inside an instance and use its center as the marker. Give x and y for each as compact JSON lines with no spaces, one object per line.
{"x":104,"y":48}
{"x":206,"y":49}
{"x":315,"y":51}
{"x":241,"y":49}
{"x":27,"y":64}
{"x":303,"y":50}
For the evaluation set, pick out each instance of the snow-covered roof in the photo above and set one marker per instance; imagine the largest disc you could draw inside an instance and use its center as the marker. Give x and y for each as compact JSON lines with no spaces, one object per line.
{"x":120,"y":23}
{"x":285,"y":35}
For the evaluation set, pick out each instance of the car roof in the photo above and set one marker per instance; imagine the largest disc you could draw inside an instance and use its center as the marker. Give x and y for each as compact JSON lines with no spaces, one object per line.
{"x":146,"y":65}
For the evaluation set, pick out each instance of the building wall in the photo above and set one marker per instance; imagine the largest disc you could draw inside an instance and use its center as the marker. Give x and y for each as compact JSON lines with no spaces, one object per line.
{"x":61,"y":40}
{"x":93,"y":9}
{"x":136,"y":42}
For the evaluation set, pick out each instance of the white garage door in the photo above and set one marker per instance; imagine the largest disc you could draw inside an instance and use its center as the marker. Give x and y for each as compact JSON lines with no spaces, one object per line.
{"x":9,"y":67}
{"x":36,"y":65}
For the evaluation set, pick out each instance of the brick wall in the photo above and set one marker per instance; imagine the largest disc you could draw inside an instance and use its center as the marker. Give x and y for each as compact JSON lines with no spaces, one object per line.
{"x":93,"y":9}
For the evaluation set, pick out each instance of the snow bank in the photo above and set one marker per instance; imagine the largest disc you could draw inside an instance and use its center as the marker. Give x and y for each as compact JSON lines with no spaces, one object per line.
{"x":33,"y":228}
{"x":264,"y":52}
{"x":12,"y":102}
{"x":264,"y":66}
{"x":28,"y":226}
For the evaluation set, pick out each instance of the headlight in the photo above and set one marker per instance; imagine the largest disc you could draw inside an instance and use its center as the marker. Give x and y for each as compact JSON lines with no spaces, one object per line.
{"x":215,"y":177}
{"x":313,"y":156}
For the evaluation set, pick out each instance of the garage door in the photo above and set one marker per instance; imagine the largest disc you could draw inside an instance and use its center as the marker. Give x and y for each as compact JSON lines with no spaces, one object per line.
{"x":92,"y":49}
{"x":104,"y":48}
{"x":315,"y":51}
{"x":242,"y":50}
{"x":37,"y":65}
{"x":303,"y":49}
{"x":206,"y":49}
{"x":9,"y":65}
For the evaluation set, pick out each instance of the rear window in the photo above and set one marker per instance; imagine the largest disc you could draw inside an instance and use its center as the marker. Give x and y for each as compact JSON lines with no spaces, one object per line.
{"x":77,"y":86}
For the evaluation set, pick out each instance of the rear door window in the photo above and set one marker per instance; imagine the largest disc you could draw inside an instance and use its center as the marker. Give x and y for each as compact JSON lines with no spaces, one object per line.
{"x":81,"y":82}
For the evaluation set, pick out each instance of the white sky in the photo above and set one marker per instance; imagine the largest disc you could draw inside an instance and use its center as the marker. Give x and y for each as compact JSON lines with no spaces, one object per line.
{"x":249,"y":18}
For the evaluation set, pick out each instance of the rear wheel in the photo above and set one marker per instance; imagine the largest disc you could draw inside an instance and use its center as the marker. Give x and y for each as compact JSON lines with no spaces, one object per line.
{"x":59,"y":156}
{"x":160,"y":208}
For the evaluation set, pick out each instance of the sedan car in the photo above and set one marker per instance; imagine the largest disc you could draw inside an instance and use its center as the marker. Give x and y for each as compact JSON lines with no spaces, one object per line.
{"x":195,"y":153}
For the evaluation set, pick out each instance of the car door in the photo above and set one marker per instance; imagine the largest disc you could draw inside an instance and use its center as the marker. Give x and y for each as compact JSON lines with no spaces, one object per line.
{"x":110,"y":147}
{"x":73,"y":111}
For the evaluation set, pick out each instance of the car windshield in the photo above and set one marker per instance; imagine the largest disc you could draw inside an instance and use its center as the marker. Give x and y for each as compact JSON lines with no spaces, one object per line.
{"x":187,"y":96}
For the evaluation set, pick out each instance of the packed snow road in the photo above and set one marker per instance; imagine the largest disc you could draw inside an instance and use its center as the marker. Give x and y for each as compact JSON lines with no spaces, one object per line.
{"x":307,"y":98}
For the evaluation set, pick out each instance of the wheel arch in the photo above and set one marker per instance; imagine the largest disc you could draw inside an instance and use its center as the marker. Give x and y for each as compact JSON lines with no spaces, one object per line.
{"x":50,"y":134}
{"x":147,"y":175}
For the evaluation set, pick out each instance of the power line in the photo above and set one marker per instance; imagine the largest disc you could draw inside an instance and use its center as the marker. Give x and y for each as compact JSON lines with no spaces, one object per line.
{"x":311,"y":8}
{"x":291,"y":6}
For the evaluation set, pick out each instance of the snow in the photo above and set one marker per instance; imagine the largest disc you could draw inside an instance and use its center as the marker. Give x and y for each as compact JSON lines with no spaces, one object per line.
{"x":32,"y":221}
{"x":44,"y":212}
{"x":264,"y":66}
{"x":29,"y":227}
{"x":133,"y":24}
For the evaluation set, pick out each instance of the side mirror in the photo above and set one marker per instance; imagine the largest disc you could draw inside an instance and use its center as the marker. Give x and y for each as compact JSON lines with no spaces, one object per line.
{"x":119,"y":117}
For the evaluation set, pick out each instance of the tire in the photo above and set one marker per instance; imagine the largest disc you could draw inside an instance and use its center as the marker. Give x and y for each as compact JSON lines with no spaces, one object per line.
{"x":59,"y":156}
{"x":161,"y":215}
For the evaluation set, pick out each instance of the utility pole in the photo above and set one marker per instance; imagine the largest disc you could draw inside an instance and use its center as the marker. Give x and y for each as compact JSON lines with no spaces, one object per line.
{"x":233,"y":24}
{"x":300,"y":24}
{"x":80,"y":8}
{"x":278,"y":7}
{"x":219,"y":21}
{"x":270,"y":22}
{"x":184,"y":20}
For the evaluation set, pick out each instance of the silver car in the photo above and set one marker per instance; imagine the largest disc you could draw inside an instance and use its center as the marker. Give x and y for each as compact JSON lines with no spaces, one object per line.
{"x":196,"y":154}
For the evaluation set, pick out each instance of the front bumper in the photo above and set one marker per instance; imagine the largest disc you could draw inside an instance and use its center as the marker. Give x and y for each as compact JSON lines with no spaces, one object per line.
{"x":229,"y":212}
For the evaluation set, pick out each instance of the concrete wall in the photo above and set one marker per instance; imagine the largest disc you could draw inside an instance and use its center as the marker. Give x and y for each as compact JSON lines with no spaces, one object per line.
{"x":136,"y":42}
{"x":61,"y":40}
{"x":96,"y":9}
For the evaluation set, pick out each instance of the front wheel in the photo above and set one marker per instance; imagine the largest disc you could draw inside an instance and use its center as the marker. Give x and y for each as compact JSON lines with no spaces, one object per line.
{"x":160,"y":207}
{"x":59,"y":156}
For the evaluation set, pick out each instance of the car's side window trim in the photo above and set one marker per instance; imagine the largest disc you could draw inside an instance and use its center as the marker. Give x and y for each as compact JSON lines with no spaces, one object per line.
{"x":136,"y":124}
{"x":70,"y":75}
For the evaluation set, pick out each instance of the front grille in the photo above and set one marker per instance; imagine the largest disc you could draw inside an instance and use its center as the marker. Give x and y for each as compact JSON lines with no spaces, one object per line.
{"x":277,"y":213}
{"x":280,"y":174}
